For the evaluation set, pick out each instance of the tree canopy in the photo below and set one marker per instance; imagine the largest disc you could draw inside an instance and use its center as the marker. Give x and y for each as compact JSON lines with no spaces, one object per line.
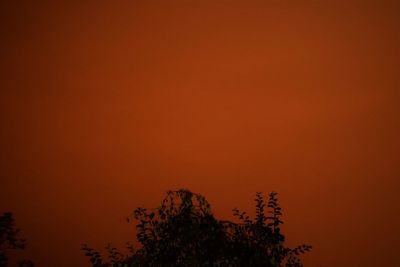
{"x":9,"y":239}
{"x":182,"y":231}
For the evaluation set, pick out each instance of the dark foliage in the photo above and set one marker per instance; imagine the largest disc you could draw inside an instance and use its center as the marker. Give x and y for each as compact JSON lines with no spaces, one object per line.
{"x":184,"y":232}
{"x":9,"y":239}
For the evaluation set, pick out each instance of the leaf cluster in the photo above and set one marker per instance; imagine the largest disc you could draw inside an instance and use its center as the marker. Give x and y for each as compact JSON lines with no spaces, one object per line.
{"x":9,"y":239}
{"x":182,"y":231}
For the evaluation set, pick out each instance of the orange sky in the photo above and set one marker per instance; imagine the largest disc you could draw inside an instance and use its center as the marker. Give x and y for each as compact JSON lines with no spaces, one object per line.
{"x":104,"y":106}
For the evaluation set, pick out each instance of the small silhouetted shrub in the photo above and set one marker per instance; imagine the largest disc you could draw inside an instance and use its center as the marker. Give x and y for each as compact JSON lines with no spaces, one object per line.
{"x":182,"y":231}
{"x":9,"y":239}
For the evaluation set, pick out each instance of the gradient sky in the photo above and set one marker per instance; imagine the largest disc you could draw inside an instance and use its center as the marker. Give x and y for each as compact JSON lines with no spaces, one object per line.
{"x":106,"y":105}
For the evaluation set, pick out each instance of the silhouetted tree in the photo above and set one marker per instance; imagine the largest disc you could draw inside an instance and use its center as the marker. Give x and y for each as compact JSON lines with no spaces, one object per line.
{"x":184,"y":232}
{"x":9,"y":237}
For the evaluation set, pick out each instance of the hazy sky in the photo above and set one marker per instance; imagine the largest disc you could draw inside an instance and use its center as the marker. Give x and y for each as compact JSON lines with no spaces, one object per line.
{"x":106,"y":105}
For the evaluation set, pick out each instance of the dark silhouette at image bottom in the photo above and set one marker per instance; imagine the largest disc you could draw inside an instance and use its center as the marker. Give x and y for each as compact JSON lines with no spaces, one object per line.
{"x":9,"y":240}
{"x":182,"y":231}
